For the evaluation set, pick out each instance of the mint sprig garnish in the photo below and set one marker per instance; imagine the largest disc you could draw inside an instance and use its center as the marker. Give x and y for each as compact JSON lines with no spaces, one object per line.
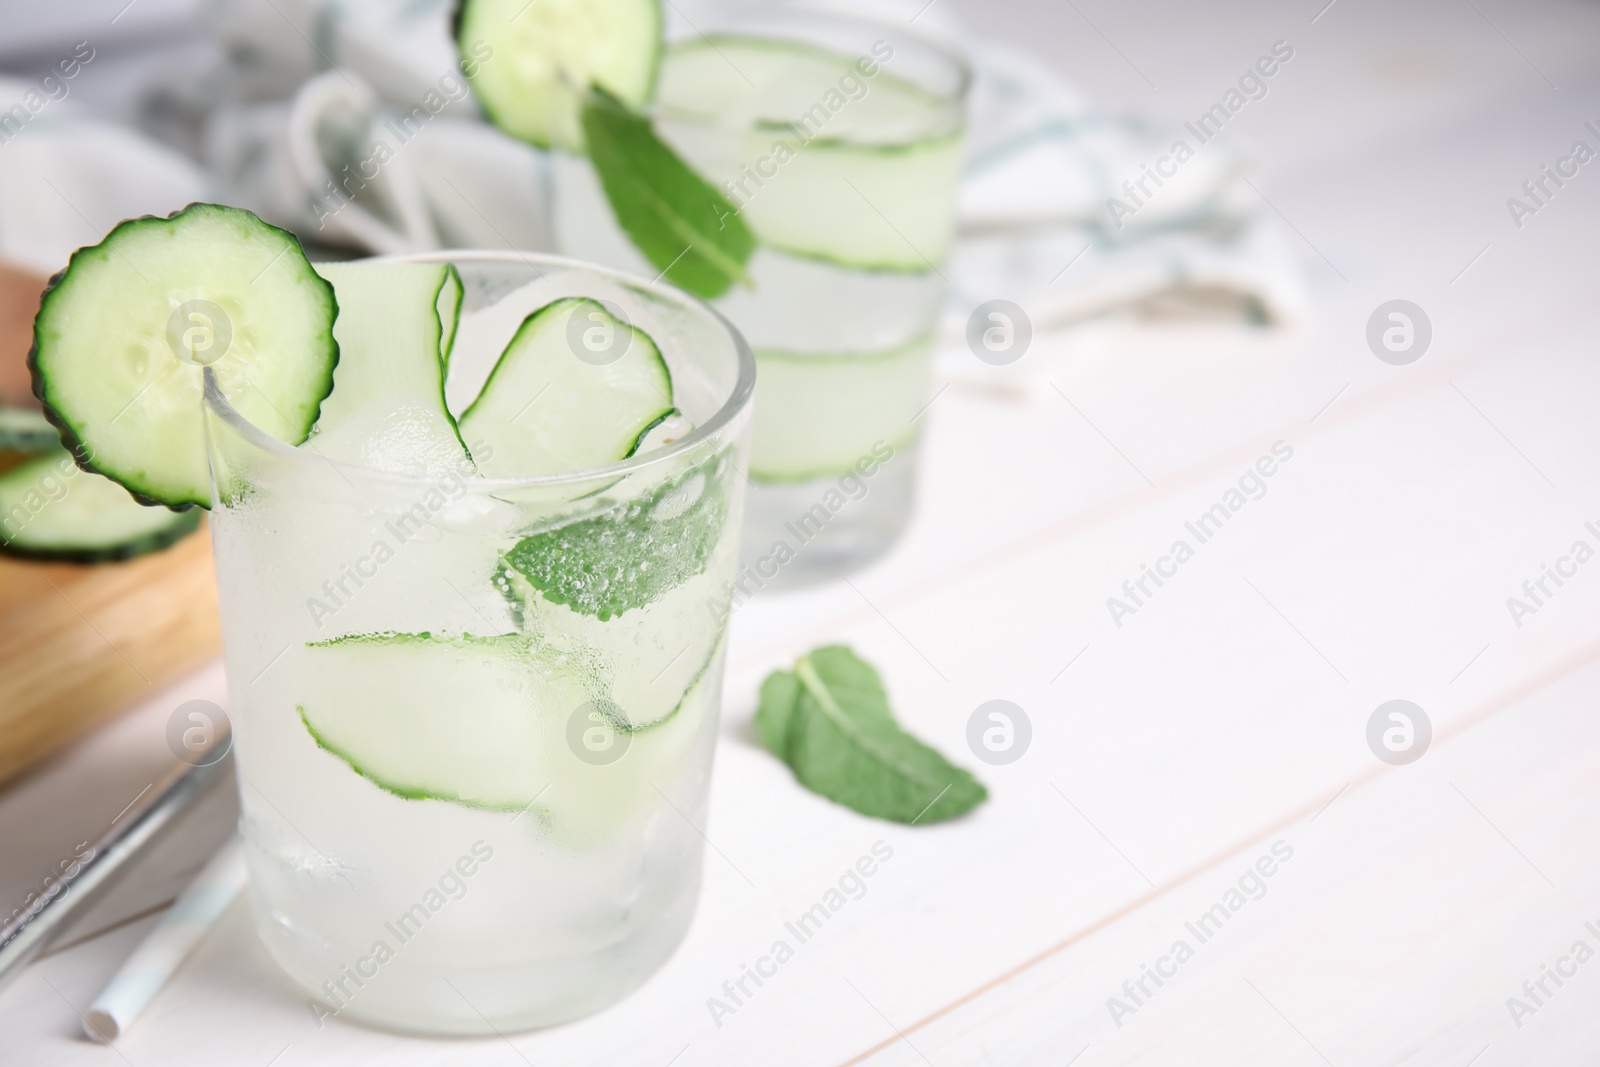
{"x":829,"y":720}
{"x":681,"y":222}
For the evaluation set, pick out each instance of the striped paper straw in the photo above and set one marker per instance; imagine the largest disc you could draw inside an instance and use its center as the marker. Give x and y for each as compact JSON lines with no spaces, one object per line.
{"x":165,"y":948}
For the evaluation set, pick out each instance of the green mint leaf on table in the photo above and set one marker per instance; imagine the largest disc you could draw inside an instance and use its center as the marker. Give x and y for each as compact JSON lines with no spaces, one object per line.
{"x":630,"y":556}
{"x":681,"y":223}
{"x":829,"y":720}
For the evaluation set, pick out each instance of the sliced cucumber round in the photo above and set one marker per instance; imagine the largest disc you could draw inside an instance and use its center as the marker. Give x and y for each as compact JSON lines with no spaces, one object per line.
{"x":827,"y":411}
{"x":533,"y":59}
{"x":489,"y":723}
{"x":22,"y":430}
{"x":387,"y":409}
{"x":576,"y":388}
{"x":123,"y":333}
{"x":51,"y":510}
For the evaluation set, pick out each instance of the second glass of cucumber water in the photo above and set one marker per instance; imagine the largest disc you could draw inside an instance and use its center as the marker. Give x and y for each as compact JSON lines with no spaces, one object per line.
{"x":474,"y":715}
{"x":839,"y":141}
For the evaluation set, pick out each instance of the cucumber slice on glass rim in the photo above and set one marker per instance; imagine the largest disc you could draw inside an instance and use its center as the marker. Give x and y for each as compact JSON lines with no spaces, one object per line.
{"x":124,"y":334}
{"x":542,"y":55}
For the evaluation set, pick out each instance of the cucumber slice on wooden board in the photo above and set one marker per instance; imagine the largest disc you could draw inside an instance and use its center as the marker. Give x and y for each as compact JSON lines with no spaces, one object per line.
{"x":576,"y":388}
{"x":387,"y":409}
{"x":544,"y":54}
{"x":51,"y":510}
{"x":123,"y":333}
{"x":23,"y":430}
{"x":493,"y":723}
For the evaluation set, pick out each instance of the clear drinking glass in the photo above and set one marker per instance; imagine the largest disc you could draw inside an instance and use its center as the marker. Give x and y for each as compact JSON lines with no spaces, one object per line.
{"x":470,"y":806}
{"x":839,"y":141}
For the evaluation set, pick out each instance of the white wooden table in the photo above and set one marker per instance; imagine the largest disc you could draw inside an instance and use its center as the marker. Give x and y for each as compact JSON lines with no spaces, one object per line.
{"x":1223,"y":722}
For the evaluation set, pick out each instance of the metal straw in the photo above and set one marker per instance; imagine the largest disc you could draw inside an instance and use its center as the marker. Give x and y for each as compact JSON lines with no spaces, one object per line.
{"x":24,"y":936}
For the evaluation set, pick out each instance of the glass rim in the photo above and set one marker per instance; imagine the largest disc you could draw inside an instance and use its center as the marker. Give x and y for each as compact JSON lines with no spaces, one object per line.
{"x":738,"y":399}
{"x":777,"y":15}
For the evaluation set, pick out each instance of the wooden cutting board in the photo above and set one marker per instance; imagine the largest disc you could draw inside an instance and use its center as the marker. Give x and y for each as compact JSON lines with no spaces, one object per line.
{"x":80,"y":643}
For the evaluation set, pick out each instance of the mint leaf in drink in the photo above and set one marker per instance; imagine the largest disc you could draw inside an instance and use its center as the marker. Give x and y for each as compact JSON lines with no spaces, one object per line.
{"x":632,"y":555}
{"x":829,"y":720}
{"x":682,"y":224}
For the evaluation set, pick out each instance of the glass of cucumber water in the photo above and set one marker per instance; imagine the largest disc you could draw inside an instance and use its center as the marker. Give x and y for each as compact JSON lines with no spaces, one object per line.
{"x":474,"y":631}
{"x":837,"y":141}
